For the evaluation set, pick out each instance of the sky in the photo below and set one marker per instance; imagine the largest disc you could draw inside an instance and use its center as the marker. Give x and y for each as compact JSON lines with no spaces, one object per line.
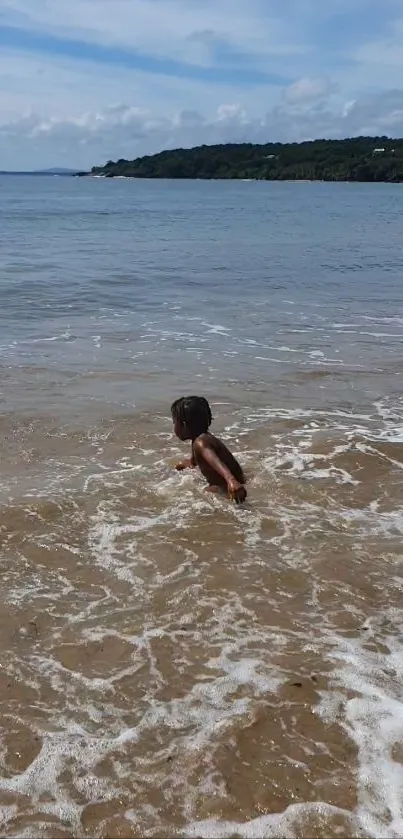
{"x":84,"y":81}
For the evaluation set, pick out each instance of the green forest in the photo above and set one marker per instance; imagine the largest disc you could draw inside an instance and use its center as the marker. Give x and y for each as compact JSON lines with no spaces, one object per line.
{"x":357,"y":159}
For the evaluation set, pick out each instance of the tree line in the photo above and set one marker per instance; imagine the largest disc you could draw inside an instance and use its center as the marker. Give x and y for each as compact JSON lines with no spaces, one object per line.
{"x":365,"y":159}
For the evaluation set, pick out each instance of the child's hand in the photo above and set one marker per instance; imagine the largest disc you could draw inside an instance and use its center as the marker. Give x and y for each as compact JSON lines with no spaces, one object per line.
{"x":236,"y":491}
{"x":187,"y":463}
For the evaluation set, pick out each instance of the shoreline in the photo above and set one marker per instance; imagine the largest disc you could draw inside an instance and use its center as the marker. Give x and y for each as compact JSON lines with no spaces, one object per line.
{"x":89,"y":175}
{"x":356,"y":159}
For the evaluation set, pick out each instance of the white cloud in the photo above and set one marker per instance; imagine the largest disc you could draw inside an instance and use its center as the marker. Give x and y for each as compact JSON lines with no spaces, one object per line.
{"x":385,"y":55}
{"x":185,"y":30}
{"x":342,"y":61}
{"x":124,"y":131}
{"x":58,"y":86}
{"x":309,"y":90}
{"x":378,"y":114}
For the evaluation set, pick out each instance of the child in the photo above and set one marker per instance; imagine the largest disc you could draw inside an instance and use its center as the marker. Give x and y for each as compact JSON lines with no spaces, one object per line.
{"x":192,"y":419}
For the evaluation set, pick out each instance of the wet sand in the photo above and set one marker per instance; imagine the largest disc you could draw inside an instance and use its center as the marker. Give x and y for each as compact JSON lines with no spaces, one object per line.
{"x":175,"y":665}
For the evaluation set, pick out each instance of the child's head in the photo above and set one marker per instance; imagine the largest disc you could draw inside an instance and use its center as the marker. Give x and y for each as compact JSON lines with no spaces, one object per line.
{"x":191,"y":416}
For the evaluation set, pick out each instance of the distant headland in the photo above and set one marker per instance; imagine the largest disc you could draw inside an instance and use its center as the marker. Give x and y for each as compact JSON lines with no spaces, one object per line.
{"x":365,"y":159}
{"x":57,"y":172}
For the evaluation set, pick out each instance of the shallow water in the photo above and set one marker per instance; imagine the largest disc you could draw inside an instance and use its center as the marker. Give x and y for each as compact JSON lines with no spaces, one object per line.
{"x":172,"y":664}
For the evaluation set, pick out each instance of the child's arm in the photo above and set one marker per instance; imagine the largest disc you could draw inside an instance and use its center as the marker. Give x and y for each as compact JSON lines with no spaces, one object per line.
{"x":186,"y":463}
{"x":236,"y":490}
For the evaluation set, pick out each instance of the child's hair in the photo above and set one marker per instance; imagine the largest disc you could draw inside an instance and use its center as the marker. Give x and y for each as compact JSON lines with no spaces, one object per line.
{"x":193,"y":412}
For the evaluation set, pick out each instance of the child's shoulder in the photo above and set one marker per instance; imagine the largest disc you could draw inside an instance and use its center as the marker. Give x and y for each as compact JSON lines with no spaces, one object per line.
{"x":207,"y":439}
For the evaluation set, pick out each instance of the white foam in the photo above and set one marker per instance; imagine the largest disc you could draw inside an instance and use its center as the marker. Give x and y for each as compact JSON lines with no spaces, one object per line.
{"x":247,"y":671}
{"x":337,"y":325}
{"x":216,"y":329}
{"x":382,"y":335}
{"x":7,"y":813}
{"x":235,"y":648}
{"x":392,"y":435}
{"x":269,"y":358}
{"x":390,"y":319}
{"x":390,"y":438}
{"x":299,"y":461}
{"x":373,"y":718}
{"x":286,"y":824}
{"x":390,"y":413}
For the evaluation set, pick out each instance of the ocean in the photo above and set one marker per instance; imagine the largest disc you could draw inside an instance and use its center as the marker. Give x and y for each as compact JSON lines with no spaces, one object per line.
{"x":172,"y":664}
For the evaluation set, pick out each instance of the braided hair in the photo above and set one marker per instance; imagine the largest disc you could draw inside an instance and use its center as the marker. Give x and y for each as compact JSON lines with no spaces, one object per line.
{"x":192,"y":412}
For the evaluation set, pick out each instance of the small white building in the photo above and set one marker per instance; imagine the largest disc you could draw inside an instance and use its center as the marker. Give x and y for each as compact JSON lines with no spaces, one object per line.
{"x":379,"y":151}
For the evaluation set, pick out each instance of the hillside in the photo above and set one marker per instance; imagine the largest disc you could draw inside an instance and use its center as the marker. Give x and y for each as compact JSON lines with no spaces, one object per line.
{"x":357,"y":159}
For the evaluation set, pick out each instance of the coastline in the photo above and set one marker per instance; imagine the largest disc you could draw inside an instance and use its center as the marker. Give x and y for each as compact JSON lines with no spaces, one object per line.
{"x":357,"y":159}
{"x":89,"y":175}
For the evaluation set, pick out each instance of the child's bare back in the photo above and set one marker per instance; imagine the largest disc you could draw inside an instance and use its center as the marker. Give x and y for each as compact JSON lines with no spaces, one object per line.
{"x":192,"y":418}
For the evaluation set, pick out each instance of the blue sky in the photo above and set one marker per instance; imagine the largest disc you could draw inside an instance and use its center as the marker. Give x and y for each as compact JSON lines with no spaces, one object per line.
{"x":85,"y":80}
